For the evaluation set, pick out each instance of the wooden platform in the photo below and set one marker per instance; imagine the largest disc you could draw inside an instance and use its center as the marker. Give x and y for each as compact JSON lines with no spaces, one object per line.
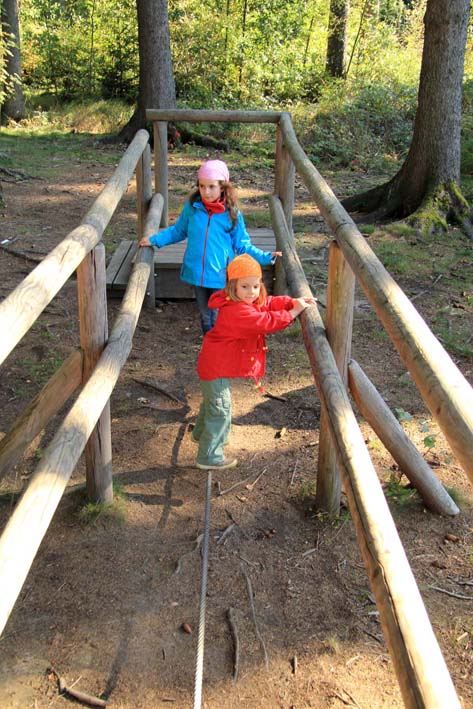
{"x":167,"y":267}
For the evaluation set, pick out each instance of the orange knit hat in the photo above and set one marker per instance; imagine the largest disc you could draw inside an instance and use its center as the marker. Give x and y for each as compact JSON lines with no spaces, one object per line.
{"x":243,"y":266}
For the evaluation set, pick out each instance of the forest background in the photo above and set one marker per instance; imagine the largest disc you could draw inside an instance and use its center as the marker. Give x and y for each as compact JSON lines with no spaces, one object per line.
{"x":240,"y":53}
{"x":80,"y":80}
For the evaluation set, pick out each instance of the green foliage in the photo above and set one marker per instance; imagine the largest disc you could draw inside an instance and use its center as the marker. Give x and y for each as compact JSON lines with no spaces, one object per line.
{"x":307,"y":490}
{"x":402,"y":415}
{"x":400,"y":494}
{"x":6,"y":81}
{"x":83,"y":49}
{"x":364,"y":126}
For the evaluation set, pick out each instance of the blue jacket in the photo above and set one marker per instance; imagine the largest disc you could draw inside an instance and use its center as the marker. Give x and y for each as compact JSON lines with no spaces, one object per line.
{"x":212,"y":242}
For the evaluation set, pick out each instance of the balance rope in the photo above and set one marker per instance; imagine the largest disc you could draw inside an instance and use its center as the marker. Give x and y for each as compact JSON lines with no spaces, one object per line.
{"x":203,"y":594}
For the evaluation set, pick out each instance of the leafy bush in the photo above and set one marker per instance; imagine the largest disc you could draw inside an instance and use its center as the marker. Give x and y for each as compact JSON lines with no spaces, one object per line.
{"x":365,"y":127}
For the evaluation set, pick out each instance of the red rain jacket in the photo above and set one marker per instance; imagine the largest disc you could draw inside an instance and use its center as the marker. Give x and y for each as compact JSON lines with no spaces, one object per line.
{"x":235,"y":346}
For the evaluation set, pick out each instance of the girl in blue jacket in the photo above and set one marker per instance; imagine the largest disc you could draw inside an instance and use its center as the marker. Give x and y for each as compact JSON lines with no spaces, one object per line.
{"x":215,"y":232}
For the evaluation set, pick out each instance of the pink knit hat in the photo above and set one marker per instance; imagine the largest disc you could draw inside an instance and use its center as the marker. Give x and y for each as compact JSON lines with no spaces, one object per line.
{"x":214,"y":170}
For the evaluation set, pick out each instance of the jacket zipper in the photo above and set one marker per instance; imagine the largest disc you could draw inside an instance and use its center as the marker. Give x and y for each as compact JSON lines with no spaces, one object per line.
{"x":205,"y":249}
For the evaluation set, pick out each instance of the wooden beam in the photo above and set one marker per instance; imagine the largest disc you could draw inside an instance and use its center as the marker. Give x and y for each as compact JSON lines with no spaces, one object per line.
{"x":40,"y":411}
{"x":20,"y":309}
{"x":151,"y":226}
{"x":32,"y":515}
{"x":388,"y":429}
{"x":93,"y":323}
{"x":338,"y":325}
{"x":419,"y":665}
{"x":442,"y":386}
{"x":198,"y":115}
{"x":161,"y":179}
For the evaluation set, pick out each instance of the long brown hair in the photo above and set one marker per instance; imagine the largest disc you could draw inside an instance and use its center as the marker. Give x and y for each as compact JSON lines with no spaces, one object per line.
{"x":230,"y":193}
{"x":231,"y":286}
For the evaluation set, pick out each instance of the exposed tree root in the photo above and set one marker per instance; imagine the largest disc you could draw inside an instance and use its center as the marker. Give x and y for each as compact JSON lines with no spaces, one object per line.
{"x":439,"y":207}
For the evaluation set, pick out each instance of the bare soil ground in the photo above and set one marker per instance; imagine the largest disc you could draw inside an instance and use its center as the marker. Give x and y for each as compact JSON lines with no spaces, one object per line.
{"x":109,"y":597}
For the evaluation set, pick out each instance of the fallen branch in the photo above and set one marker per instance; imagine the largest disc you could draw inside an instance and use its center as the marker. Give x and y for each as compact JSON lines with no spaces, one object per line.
{"x":351,"y":703}
{"x":157,"y":387}
{"x":253,"y":613}
{"x":77,"y":694}
{"x":16,"y":175}
{"x":294,"y":472}
{"x":236,"y":642}
{"x":197,"y":544}
{"x":274,"y":396}
{"x":451,"y":593}
{"x":251,"y":485}
{"x":226,"y":532}
{"x":22,"y":255}
{"x":232,"y":487}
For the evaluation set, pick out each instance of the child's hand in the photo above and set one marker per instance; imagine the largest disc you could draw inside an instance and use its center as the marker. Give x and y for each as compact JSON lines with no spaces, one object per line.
{"x":144,"y":241}
{"x":300,"y":304}
{"x":275,"y":254}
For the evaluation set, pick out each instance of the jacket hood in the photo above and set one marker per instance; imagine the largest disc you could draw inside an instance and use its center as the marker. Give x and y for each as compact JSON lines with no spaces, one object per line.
{"x":218,"y":300}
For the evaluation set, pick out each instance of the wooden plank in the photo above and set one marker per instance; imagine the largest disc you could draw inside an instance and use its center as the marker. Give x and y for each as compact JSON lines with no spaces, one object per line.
{"x":116,"y":261}
{"x":123,"y":275}
{"x":168,"y":262}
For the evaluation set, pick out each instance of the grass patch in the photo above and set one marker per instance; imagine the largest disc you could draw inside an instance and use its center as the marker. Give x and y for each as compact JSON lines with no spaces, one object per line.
{"x":399,"y":494}
{"x":107,"y":513}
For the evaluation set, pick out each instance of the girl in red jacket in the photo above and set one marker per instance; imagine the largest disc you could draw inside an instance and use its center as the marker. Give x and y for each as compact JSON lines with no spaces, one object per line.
{"x":235,"y":347}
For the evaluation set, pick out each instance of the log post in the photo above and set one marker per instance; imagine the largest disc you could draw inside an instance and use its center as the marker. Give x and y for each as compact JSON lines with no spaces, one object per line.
{"x":284,"y":189}
{"x":144,"y":192}
{"x":284,"y":178}
{"x":388,"y":429}
{"x":339,"y":326}
{"x":160,"y":135}
{"x":92,"y":297}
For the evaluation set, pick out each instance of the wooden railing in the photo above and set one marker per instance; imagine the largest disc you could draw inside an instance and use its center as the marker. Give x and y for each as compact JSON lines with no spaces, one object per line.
{"x":418,"y":662}
{"x":96,"y":366}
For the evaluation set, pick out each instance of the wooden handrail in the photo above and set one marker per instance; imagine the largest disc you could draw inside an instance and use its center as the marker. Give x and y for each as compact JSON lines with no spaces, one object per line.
{"x":191,"y":115}
{"x":420,"y":668}
{"x":444,"y":389}
{"x":22,"y":306}
{"x":32,"y":515}
{"x":40,"y":410}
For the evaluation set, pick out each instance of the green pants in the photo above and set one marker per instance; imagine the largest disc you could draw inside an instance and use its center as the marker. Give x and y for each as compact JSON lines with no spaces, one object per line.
{"x":212,"y":426}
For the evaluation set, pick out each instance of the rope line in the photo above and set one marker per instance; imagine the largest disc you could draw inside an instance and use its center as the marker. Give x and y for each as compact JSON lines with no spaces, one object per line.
{"x":203,"y":594}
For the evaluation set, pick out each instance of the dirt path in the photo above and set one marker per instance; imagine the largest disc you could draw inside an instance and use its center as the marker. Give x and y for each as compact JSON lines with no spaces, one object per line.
{"x":106,"y":600}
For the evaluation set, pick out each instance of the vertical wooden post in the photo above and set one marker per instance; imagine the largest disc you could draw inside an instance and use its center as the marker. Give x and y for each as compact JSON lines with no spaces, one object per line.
{"x":160,"y":137}
{"x":338,"y":325}
{"x":144,"y":193}
{"x":284,"y":189}
{"x":92,"y":297}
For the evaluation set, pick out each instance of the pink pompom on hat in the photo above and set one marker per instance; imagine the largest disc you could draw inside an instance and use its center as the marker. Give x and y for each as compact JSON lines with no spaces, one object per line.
{"x":214,"y":170}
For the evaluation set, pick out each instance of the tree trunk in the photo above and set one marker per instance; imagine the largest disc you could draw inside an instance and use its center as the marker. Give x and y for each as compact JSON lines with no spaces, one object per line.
{"x":14,"y":104}
{"x":337,"y":37}
{"x":156,"y":84}
{"x":430,"y":175}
